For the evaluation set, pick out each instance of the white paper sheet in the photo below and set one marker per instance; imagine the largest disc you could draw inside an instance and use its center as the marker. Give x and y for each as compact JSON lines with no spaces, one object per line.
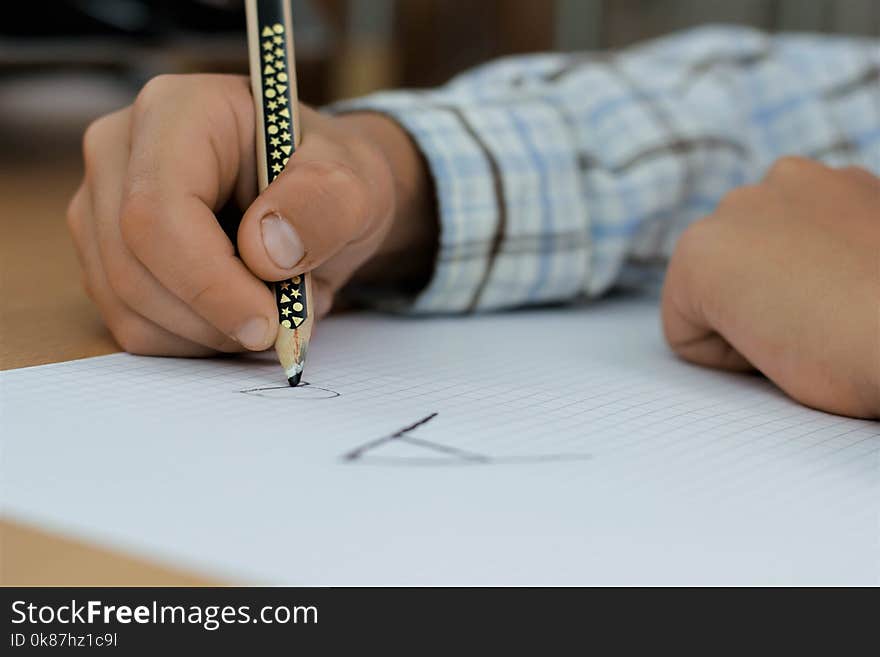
{"x":551,"y":447}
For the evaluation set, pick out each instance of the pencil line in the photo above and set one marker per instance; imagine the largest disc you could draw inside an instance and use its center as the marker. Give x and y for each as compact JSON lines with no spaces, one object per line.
{"x":446,"y":449}
{"x":463,"y":456}
{"x":358,"y":451}
{"x":427,"y":461}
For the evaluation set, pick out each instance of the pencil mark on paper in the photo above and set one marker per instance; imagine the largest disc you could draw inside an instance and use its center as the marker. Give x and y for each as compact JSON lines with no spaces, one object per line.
{"x":303,"y":391}
{"x":358,"y":452}
{"x":401,"y":435}
{"x":443,"y":454}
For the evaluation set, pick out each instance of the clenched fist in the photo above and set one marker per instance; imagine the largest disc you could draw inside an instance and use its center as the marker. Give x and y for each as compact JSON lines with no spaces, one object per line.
{"x":784,"y":277}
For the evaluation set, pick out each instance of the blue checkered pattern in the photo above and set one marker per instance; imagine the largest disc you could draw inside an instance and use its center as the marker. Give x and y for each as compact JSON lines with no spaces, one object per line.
{"x":559,"y":175}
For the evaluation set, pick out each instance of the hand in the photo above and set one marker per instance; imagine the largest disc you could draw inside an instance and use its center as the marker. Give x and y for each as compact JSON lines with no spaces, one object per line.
{"x":784,"y":277}
{"x":165,"y":276}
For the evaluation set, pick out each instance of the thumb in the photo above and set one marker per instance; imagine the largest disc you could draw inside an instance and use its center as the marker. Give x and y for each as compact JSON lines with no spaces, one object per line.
{"x":306,"y":216}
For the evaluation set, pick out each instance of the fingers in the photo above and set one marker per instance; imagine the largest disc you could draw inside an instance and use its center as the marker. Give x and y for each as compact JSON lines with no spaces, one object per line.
{"x":133,"y":332}
{"x":325,"y":201}
{"x":776,"y":278}
{"x":156,"y":259}
{"x":691,"y":330}
{"x":106,"y":152}
{"x":694,"y":340}
{"x":187,"y":140}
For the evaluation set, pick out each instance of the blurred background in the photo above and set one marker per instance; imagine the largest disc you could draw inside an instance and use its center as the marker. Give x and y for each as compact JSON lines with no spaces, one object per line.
{"x":63,"y":62}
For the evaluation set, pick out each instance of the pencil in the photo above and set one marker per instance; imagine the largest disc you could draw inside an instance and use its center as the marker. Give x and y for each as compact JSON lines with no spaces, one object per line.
{"x":273,"y":84}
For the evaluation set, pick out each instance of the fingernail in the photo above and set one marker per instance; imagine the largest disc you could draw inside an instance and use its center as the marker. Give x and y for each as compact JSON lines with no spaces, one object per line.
{"x":252,"y":334}
{"x":281,"y":241}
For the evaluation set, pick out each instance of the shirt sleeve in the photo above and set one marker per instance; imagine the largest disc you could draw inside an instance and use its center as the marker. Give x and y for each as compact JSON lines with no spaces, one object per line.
{"x":557,"y":175}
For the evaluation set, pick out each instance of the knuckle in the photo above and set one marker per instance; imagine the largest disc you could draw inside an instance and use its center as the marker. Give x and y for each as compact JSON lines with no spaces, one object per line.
{"x":185,"y":92}
{"x":131,"y":334}
{"x":74,"y":217}
{"x":792,"y":166}
{"x":136,"y":222}
{"x":155,"y":90}
{"x":92,"y":140}
{"x":744,"y":196}
{"x":201,"y":289}
{"x":121,"y":282}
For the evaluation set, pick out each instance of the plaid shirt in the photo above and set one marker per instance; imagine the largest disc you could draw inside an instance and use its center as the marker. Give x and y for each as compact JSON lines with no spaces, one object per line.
{"x":560,"y":175}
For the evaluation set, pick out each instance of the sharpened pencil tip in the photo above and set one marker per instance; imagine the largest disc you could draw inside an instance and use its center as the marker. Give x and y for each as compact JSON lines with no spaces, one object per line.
{"x":294,"y":380}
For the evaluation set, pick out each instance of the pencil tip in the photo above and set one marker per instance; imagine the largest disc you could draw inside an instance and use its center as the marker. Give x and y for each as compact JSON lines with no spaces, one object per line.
{"x":294,"y":380}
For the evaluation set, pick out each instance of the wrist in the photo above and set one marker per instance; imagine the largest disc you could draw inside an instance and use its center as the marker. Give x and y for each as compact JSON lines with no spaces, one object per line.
{"x":405,"y":257}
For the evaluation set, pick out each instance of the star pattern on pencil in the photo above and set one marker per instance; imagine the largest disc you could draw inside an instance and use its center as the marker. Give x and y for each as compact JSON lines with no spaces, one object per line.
{"x":291,"y":309}
{"x":275,"y":99}
{"x":290,"y":295}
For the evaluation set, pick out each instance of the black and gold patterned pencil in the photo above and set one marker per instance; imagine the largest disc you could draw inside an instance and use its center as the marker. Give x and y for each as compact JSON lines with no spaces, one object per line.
{"x":273,"y":84}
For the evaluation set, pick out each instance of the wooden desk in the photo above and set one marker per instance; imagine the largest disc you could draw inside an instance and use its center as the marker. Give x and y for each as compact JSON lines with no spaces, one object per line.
{"x":45,"y":317}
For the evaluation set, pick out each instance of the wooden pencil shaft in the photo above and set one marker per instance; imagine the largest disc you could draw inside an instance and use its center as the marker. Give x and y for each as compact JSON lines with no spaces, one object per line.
{"x":273,"y":84}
